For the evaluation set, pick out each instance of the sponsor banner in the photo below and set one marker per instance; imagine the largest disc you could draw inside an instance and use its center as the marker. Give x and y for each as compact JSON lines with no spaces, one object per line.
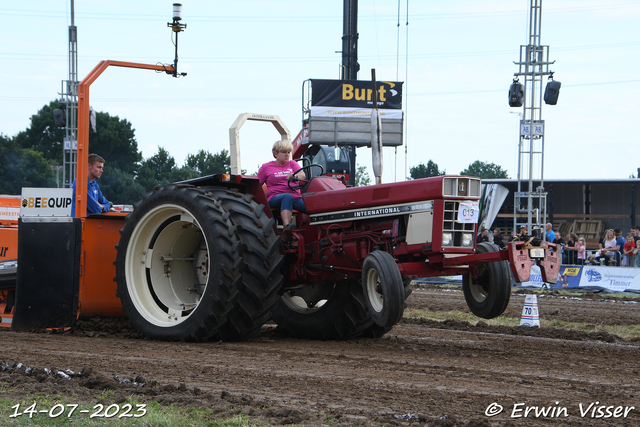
{"x":123,"y":208}
{"x":355,"y":93}
{"x":589,"y":278}
{"x":9,"y":214}
{"x":46,"y":202}
{"x":535,"y":280}
{"x":615,"y":279}
{"x":370,"y":212}
{"x":353,"y":112}
{"x":568,"y":277}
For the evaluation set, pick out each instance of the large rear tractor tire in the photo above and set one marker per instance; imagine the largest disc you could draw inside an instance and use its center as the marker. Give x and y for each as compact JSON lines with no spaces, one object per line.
{"x":383,"y":289}
{"x":323,"y":311}
{"x":488,"y":295}
{"x":178,"y":265}
{"x":260,"y":252}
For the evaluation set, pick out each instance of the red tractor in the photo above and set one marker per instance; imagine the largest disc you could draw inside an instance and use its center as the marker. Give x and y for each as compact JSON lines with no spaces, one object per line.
{"x":206,"y":258}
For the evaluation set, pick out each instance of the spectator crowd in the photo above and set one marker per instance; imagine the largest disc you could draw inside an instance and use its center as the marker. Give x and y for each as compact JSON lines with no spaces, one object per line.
{"x":614,"y":249}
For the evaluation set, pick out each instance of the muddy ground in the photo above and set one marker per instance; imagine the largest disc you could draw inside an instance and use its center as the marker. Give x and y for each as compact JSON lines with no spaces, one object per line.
{"x":421,"y":373}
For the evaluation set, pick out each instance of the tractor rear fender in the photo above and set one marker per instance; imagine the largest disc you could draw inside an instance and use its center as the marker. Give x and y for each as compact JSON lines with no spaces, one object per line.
{"x":247,"y":184}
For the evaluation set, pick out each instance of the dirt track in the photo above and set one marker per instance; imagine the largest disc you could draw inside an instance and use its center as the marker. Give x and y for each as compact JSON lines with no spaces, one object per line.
{"x":423,"y":372}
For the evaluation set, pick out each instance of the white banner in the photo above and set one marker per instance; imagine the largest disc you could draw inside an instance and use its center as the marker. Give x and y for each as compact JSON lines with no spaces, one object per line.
{"x":493,"y":196}
{"x":353,"y":112}
{"x":46,"y":202}
{"x":535,"y":280}
{"x":9,"y":214}
{"x":589,"y":278}
{"x":616,"y":279}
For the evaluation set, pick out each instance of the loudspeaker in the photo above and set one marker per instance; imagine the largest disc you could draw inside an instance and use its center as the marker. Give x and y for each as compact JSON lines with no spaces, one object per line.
{"x":59,"y":118}
{"x":516,"y":94}
{"x":551,"y":92}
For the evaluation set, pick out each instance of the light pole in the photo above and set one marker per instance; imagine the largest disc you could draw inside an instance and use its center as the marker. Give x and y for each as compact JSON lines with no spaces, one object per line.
{"x":57,"y":169}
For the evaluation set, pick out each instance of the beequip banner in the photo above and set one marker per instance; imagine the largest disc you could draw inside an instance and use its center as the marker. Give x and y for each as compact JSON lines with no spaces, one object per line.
{"x":46,"y":202}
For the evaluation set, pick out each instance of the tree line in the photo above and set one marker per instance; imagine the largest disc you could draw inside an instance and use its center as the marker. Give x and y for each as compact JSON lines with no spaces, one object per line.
{"x":26,"y":159}
{"x":478,"y":168}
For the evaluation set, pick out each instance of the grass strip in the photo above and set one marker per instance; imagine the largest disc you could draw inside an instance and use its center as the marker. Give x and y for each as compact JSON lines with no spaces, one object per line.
{"x":626,"y":332}
{"x":156,"y":415}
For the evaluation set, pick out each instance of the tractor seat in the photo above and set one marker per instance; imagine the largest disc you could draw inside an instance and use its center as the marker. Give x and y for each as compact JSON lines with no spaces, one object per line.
{"x":276,"y":211}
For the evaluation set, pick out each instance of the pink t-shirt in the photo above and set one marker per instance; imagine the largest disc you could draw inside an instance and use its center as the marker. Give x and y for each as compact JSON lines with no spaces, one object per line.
{"x":275,"y":176}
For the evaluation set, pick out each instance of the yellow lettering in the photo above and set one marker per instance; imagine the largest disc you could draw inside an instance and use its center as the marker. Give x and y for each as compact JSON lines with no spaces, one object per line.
{"x":31,"y":202}
{"x":347,"y":91}
{"x":360,"y":94}
{"x":381,"y":93}
{"x":44,"y":202}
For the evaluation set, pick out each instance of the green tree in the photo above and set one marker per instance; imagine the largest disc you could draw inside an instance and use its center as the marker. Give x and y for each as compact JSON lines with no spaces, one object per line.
{"x":160,"y":163}
{"x":485,"y":170}
{"x":205,"y":163}
{"x":425,"y":171}
{"x":120,"y":187}
{"x":42,"y":136}
{"x":182,"y":174}
{"x":362,"y":176}
{"x":22,"y":167}
{"x":115,"y":140}
{"x":156,"y":170}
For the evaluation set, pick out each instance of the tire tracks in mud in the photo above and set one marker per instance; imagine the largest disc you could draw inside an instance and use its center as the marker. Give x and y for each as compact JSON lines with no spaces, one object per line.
{"x":431,"y":372}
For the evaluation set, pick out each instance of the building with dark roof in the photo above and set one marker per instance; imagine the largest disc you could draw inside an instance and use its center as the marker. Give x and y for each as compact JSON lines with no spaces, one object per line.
{"x":613,"y":202}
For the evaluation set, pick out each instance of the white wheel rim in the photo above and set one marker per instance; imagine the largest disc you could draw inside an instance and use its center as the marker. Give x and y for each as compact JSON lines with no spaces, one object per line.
{"x":478,"y":293}
{"x":375,"y":298}
{"x":173,"y":281}
{"x":299,"y":305}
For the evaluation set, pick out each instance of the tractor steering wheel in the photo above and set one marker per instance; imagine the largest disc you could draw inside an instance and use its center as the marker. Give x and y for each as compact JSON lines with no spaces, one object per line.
{"x":302,"y":184}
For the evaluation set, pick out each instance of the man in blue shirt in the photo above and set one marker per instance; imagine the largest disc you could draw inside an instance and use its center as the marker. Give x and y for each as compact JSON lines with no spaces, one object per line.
{"x":551,"y":235}
{"x":96,"y":202}
{"x":620,"y":241}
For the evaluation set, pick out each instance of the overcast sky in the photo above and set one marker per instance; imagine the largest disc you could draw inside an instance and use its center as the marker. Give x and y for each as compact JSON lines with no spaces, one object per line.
{"x":253,"y":56}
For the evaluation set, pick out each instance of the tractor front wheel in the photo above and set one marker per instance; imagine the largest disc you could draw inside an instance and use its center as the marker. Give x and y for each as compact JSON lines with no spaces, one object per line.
{"x":383,"y":288}
{"x":488,"y":295}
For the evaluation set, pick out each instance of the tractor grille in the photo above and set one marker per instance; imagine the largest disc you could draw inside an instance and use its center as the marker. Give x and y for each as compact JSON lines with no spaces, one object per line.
{"x":457,"y":228}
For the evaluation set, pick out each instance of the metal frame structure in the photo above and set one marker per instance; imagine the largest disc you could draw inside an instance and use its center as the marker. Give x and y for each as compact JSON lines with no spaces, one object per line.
{"x":533,"y":66}
{"x":70,"y":97}
{"x":234,"y":136}
{"x":83,"y":120}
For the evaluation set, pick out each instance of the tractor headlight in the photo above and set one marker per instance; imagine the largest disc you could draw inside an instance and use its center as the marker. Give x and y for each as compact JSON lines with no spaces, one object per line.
{"x":447,"y":239}
{"x":467,"y":239}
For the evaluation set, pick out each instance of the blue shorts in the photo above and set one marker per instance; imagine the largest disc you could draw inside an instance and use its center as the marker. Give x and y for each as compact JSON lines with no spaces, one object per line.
{"x":286,"y":202}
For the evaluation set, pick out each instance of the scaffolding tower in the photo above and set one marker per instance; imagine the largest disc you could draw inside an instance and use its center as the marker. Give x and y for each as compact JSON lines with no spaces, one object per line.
{"x":531,"y":198}
{"x":69,"y":96}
